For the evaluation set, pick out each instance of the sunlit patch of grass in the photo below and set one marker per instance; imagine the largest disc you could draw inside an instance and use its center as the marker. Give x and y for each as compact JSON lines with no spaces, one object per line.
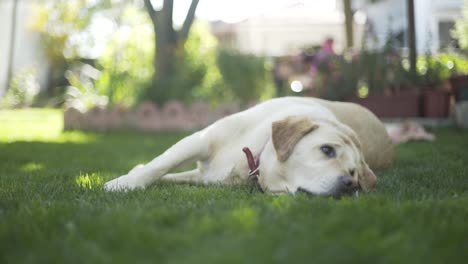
{"x":281,"y":202}
{"x":77,"y":137}
{"x":89,"y":181}
{"x":244,"y":219}
{"x":30,"y":124}
{"x":32,"y":167}
{"x":44,"y":125}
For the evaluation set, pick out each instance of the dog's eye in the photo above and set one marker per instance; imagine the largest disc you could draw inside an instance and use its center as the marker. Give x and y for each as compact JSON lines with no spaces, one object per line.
{"x":328,"y":150}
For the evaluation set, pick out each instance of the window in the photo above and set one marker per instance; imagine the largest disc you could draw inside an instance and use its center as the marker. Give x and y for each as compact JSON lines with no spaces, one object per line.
{"x":445,"y":37}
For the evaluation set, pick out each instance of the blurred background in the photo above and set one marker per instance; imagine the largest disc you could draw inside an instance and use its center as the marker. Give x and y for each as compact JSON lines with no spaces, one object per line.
{"x":399,"y":58}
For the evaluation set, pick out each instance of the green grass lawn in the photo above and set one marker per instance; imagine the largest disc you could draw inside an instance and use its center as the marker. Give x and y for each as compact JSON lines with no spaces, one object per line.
{"x":53,"y":208}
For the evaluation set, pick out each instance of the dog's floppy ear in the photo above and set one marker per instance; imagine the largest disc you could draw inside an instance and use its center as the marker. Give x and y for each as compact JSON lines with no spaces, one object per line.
{"x":367,"y":180}
{"x":287,"y":132}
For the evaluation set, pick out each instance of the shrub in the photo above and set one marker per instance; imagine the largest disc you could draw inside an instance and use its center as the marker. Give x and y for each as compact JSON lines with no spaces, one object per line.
{"x":246,"y":77}
{"x":461,"y":27}
{"x":23,"y":89}
{"x":81,"y":93}
{"x":456,"y":63}
{"x":126,"y":63}
{"x":195,"y":75}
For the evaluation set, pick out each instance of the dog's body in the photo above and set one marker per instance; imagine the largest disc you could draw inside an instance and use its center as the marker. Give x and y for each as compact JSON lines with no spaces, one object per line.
{"x":290,"y":136}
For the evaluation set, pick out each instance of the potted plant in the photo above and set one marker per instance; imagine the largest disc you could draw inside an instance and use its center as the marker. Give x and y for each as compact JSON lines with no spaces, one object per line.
{"x":436,"y":103}
{"x":435,"y":99}
{"x":459,"y":75}
{"x":460,"y":81}
{"x":459,"y":84}
{"x":384,"y":86}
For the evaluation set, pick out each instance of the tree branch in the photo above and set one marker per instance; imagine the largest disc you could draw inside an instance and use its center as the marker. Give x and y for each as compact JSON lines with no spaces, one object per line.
{"x":149,"y":7}
{"x":183,"y":32}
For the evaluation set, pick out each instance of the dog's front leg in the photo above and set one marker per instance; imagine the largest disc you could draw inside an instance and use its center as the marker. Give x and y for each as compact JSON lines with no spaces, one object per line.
{"x":191,"y":148}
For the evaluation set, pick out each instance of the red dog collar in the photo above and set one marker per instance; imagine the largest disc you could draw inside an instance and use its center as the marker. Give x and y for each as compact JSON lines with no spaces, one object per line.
{"x":254,"y":163}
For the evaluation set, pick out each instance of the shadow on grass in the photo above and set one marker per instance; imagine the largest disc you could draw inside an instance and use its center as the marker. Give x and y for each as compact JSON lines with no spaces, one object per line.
{"x":104,"y":152}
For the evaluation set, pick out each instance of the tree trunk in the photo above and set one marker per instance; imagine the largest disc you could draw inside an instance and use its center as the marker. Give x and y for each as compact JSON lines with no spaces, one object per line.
{"x":167,"y":42}
{"x":348,"y":13}
{"x":411,"y":37}
{"x":165,"y":53}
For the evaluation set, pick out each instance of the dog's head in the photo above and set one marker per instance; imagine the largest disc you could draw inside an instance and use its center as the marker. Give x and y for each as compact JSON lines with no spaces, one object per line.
{"x":320,"y":157}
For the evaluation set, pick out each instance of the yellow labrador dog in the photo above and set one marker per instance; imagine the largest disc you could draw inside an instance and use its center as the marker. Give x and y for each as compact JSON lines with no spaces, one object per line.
{"x":286,"y":144}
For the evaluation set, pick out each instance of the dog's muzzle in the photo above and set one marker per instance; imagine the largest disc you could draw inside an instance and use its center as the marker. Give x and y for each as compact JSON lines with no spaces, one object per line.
{"x":345,"y":185}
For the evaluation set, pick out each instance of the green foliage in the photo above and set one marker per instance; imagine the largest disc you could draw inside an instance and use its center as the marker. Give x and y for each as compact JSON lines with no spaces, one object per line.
{"x":23,"y":89}
{"x":60,"y":21}
{"x":384,"y":68}
{"x":195,"y":75}
{"x":431,"y":70}
{"x":343,"y":75}
{"x":81,"y":93}
{"x":434,"y":69}
{"x":126,"y":65}
{"x":64,"y":26}
{"x":456,"y":63}
{"x":387,"y":70}
{"x":246,"y":77}
{"x":339,"y":79}
{"x":461,"y":27}
{"x":204,"y":73}
{"x":52,"y":209}
{"x":127,"y":62}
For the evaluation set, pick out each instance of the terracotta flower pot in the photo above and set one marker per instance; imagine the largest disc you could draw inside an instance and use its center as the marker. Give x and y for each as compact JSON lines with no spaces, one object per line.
{"x":401,"y":104}
{"x":436,"y":103}
{"x":460,"y":87}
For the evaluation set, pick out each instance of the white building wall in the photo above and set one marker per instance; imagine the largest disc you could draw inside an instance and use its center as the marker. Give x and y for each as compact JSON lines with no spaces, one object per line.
{"x":386,"y":16}
{"x":282,"y":40}
{"x":5,"y":11}
{"x":425,"y":26}
{"x":443,"y":11}
{"x":27,"y":51}
{"x":287,"y":30}
{"x":428,"y":15}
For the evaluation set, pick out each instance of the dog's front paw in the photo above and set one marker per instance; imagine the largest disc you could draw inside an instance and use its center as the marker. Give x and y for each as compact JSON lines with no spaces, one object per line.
{"x":123,"y":183}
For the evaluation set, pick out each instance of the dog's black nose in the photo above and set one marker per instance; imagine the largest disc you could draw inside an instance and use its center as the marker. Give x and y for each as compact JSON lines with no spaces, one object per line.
{"x":348,"y":184}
